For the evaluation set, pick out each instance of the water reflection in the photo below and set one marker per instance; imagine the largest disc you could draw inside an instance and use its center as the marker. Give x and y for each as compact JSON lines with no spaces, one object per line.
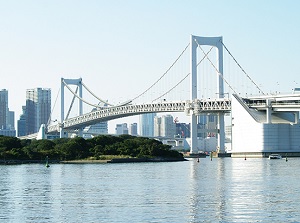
{"x":238,"y":190}
{"x":221,"y":190}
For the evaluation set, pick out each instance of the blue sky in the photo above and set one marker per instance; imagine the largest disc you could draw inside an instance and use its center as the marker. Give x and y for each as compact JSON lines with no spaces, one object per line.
{"x":112,"y":44}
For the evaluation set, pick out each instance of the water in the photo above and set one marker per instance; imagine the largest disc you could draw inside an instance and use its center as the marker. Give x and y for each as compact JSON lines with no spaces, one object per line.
{"x":221,"y":190}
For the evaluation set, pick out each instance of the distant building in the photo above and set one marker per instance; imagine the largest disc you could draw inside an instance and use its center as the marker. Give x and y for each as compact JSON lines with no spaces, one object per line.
{"x":207,"y":125}
{"x":7,"y":118}
{"x":168,"y":127}
{"x":164,"y":126}
{"x":8,"y":132}
{"x":157,"y":126}
{"x":100,"y":128}
{"x":3,"y":109}
{"x":11,"y":120}
{"x":22,"y":123}
{"x":121,"y":129}
{"x":183,"y":130}
{"x":147,"y":125}
{"x":38,"y":108}
{"x":133,"y":129}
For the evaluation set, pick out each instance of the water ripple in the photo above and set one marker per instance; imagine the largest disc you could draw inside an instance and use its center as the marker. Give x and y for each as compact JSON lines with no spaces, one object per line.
{"x":221,"y":190}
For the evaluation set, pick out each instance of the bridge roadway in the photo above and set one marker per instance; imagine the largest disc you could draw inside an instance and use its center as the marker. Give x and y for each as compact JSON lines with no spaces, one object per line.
{"x":198,"y":106}
{"x":277,"y":103}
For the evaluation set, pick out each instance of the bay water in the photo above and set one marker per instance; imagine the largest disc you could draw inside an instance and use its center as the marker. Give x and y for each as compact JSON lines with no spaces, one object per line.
{"x":217,"y":190}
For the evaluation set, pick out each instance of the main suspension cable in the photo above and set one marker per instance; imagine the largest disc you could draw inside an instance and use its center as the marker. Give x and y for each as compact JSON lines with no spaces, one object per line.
{"x":103,"y":101}
{"x":163,"y":74}
{"x":242,"y":69}
{"x":93,"y":105}
{"x":50,"y":116}
{"x":205,"y":55}
{"x":221,"y":75}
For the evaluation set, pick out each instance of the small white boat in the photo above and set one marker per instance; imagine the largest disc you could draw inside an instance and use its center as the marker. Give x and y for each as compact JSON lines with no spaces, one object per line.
{"x":275,"y":156}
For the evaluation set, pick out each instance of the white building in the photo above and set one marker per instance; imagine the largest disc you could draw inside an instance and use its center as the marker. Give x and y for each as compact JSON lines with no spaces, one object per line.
{"x":254,"y":135}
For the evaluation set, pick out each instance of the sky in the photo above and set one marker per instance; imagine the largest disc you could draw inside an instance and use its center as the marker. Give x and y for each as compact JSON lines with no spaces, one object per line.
{"x":113,"y":44}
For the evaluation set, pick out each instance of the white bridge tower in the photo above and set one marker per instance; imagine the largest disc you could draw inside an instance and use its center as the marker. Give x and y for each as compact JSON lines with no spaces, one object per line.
{"x":65,"y":83}
{"x":215,"y":42}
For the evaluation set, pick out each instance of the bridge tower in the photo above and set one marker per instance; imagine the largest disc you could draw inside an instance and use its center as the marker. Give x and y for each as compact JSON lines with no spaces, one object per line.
{"x":215,"y":42}
{"x":64,"y":83}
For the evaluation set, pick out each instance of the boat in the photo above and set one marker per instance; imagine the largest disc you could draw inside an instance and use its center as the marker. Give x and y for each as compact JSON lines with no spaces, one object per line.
{"x":275,"y":156}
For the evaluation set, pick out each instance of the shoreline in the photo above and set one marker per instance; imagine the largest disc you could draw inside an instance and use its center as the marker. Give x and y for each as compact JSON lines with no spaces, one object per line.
{"x":83,"y":161}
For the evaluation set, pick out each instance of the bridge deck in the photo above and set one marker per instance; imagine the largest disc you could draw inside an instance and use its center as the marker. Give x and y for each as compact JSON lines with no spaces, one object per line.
{"x":196,"y":107}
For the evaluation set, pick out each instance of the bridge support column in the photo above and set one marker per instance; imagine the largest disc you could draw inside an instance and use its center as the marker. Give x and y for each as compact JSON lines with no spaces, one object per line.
{"x":221,"y":133}
{"x":194,"y":132}
{"x":269,"y":111}
{"x":296,"y":117}
{"x":193,"y":94}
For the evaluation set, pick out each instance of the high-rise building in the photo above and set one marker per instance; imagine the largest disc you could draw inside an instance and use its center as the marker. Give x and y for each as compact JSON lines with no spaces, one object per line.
{"x":121,"y":129}
{"x":38,"y":108}
{"x":3,"y":109}
{"x":157,"y":125}
{"x":168,"y":127}
{"x":147,"y":125}
{"x":22,"y":123}
{"x":11,"y":120}
{"x":133,"y":129}
{"x":7,"y":118}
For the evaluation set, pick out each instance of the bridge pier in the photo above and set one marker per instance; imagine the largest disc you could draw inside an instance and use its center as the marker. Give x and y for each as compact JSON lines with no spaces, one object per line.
{"x":221,"y":133}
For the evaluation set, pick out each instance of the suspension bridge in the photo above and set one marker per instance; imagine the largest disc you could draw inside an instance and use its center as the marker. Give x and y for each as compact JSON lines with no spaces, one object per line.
{"x":201,"y":91}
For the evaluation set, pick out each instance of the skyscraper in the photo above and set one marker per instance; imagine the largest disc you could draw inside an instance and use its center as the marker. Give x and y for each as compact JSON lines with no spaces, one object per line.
{"x":164,"y":126}
{"x":168,"y":127}
{"x":7,"y":118}
{"x":22,"y":123}
{"x":157,"y":125}
{"x":38,"y":108}
{"x":11,"y":120}
{"x":133,"y":129}
{"x":147,"y":125}
{"x":3,"y":109}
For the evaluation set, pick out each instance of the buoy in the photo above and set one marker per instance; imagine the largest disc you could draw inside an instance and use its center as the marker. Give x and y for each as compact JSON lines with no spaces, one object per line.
{"x":198,"y":160}
{"x":47,"y":164}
